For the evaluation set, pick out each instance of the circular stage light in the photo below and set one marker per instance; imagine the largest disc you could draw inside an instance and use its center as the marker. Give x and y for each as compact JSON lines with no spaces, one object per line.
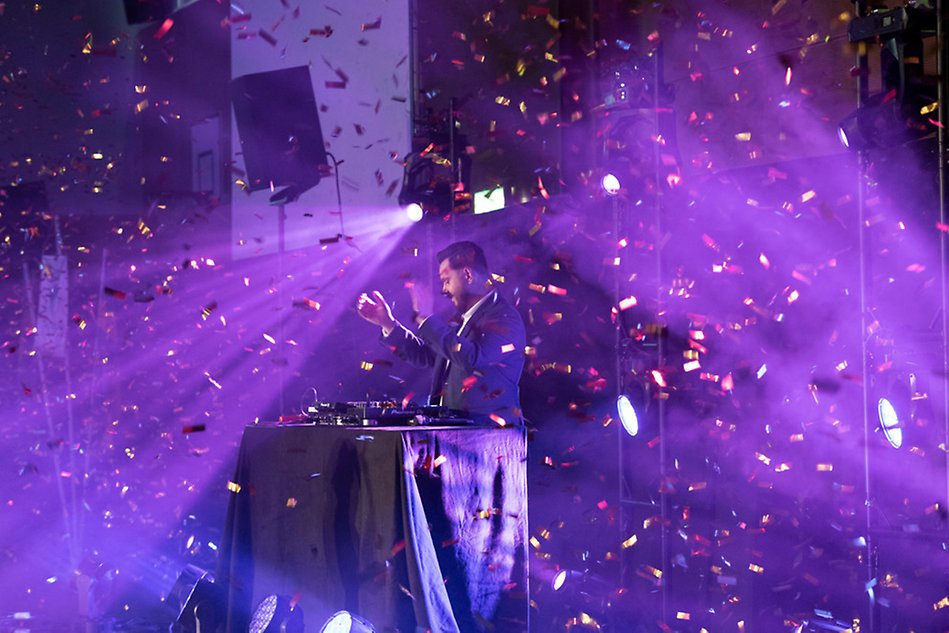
{"x":276,"y":614}
{"x":627,"y":415}
{"x":414,"y":211}
{"x":263,"y":614}
{"x":610,"y":184}
{"x":890,"y":423}
{"x":346,"y":622}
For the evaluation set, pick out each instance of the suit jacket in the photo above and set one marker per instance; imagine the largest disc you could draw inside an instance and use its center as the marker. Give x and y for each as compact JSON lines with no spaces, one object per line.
{"x":484,"y":362}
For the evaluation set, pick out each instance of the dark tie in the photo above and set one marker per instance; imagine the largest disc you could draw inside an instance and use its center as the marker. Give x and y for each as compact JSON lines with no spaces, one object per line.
{"x":436,"y":396}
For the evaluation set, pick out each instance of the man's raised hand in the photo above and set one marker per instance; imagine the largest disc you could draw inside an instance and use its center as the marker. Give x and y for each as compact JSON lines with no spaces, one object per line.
{"x":375,"y":310}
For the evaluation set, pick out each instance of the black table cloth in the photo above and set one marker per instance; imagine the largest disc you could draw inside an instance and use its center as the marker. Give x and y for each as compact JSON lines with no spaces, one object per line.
{"x":412,"y":528}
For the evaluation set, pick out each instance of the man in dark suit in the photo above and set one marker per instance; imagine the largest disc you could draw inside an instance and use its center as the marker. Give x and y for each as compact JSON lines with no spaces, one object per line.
{"x":478,"y":361}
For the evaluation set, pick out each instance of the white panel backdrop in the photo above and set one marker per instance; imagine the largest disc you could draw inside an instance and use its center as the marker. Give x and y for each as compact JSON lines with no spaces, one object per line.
{"x":358,"y":55}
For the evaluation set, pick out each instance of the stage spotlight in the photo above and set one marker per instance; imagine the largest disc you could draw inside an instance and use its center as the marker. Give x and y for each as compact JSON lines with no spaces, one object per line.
{"x":565,"y":577}
{"x":346,"y":622}
{"x":873,"y":125}
{"x":414,"y":211}
{"x":277,"y":614}
{"x":610,"y":184}
{"x":197,"y":602}
{"x":899,"y":398}
{"x":627,"y":415}
{"x":848,"y":130}
{"x":890,"y":423}
{"x":885,"y":121}
{"x":585,"y":592}
{"x":430,"y":180}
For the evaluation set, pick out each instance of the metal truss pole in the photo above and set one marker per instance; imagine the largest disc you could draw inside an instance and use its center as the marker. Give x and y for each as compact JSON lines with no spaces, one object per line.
{"x":943,"y":137}
{"x":863,"y":93}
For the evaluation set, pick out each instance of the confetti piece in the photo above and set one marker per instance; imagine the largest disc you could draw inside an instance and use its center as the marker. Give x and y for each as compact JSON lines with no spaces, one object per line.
{"x":164,"y":28}
{"x":658,"y":377}
{"x":371,"y":26}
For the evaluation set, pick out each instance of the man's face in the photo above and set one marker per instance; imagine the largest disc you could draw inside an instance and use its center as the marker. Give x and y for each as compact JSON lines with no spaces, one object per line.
{"x":454,"y":283}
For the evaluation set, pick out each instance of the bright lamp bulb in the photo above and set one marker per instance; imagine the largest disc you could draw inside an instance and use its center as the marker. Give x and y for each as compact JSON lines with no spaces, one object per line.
{"x":610,"y":184}
{"x":890,"y":423}
{"x":263,"y":614}
{"x":414,"y":211}
{"x":842,"y":135}
{"x":342,"y":622}
{"x":627,"y":415}
{"x":559,"y":580}
{"x":346,"y":622}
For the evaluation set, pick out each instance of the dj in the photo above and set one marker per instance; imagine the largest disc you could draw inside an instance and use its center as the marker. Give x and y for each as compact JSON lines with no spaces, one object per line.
{"x":478,"y":360}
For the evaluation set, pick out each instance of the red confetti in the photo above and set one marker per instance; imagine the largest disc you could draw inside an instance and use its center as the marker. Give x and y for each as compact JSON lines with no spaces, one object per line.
{"x":163,"y":30}
{"x":267,"y":37}
{"x":371,"y":25}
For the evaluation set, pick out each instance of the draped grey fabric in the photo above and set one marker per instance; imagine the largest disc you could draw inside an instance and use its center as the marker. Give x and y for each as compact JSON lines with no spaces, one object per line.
{"x":413,"y":528}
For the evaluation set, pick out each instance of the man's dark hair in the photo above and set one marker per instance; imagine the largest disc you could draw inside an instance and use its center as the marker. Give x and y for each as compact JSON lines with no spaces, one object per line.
{"x":464,"y":254}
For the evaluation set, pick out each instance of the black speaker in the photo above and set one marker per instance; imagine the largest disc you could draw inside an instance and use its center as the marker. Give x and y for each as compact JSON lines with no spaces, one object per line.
{"x":279,"y":128}
{"x":141,"y":11}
